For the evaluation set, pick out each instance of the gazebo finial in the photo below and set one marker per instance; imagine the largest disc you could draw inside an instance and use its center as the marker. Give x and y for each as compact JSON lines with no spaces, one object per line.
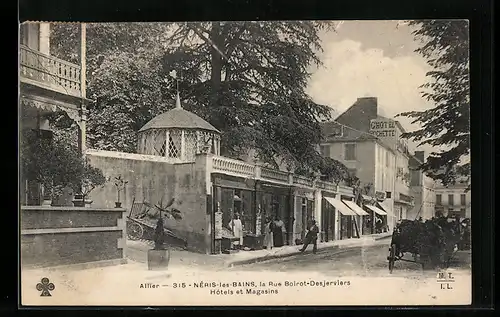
{"x":178,"y":100}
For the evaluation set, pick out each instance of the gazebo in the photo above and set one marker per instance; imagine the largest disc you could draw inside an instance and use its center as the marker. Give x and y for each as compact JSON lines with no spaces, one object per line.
{"x":178,"y":135}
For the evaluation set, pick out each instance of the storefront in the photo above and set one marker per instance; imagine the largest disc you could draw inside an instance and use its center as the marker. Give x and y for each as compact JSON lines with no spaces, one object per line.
{"x":328,"y":218}
{"x":256,"y":203}
{"x":304,"y":213}
{"x":359,"y":219}
{"x":379,"y":217}
{"x":276,"y":206}
{"x":345,"y":220}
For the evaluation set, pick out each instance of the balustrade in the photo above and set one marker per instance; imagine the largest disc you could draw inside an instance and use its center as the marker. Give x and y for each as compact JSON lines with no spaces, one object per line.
{"x":50,"y":71}
{"x":274,"y":175}
{"x":238,"y":168}
{"x":225,"y":165}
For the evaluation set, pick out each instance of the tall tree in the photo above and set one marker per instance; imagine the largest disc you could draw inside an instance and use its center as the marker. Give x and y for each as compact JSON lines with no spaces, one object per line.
{"x":445,"y":45}
{"x":246,"y":78}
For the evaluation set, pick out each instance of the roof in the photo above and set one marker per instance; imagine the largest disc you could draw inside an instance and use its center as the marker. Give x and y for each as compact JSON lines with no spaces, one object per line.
{"x":178,"y":118}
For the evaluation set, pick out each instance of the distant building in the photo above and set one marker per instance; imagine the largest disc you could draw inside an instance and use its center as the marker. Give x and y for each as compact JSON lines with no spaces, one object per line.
{"x":423,"y":189}
{"x":370,"y":146}
{"x":453,"y":200}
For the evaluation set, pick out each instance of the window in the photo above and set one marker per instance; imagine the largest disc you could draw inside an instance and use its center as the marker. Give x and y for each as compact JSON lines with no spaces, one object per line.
{"x":29,"y":35}
{"x":450,"y":200}
{"x":350,"y":152}
{"x":439,"y":199}
{"x":325,"y":150}
{"x":462,"y":199}
{"x":388,"y":194}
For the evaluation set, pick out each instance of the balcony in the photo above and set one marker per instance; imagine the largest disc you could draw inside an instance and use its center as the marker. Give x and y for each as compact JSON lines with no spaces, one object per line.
{"x":405,"y":199}
{"x":49,"y":72}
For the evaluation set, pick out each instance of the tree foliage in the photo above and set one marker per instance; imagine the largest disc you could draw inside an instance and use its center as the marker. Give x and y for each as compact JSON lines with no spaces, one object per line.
{"x":57,"y":164}
{"x":445,"y":45}
{"x":248,"y":79}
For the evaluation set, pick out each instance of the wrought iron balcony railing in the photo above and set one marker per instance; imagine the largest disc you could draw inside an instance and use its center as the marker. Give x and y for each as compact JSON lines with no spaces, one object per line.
{"x":49,"y":72}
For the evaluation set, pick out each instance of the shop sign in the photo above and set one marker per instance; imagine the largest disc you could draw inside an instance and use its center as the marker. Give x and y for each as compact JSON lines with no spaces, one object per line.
{"x":218,"y":223}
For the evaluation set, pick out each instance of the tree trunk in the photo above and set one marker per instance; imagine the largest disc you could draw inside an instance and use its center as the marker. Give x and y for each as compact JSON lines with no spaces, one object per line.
{"x":217,"y":64}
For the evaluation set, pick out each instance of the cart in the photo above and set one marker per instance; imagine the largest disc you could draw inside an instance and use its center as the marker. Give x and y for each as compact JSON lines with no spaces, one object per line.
{"x":431,"y":243}
{"x":140,"y":227}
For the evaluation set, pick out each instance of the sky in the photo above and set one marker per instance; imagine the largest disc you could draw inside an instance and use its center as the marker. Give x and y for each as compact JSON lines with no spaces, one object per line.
{"x":371,"y":59}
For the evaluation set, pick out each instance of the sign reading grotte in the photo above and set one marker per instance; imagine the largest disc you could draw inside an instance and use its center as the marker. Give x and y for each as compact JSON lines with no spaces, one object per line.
{"x":383,"y":128}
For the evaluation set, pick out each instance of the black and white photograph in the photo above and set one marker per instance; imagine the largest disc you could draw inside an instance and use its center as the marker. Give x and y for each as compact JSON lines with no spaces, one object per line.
{"x":241,"y":163}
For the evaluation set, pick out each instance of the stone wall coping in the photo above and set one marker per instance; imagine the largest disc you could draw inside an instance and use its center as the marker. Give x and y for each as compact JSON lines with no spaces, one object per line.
{"x":127,"y":156}
{"x":62,"y":208}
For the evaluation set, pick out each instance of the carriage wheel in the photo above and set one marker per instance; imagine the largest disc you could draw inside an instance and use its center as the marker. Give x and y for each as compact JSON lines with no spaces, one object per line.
{"x":134,"y":231}
{"x":392,"y":257}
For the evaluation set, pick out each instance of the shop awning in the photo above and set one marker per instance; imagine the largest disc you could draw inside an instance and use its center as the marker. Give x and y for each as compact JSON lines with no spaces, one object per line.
{"x":355,"y":208}
{"x":340,"y":206}
{"x":376,"y":210}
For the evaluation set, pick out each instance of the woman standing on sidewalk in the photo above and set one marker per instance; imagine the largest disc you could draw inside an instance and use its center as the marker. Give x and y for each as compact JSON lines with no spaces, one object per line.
{"x":278,"y":232}
{"x":268,"y":234}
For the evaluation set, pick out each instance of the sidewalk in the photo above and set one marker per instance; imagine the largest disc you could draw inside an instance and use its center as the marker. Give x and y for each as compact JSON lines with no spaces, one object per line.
{"x":249,"y":257}
{"x":137,"y":252}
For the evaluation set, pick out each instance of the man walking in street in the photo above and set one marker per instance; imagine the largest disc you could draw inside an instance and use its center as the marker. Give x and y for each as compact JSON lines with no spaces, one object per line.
{"x":311,"y":237}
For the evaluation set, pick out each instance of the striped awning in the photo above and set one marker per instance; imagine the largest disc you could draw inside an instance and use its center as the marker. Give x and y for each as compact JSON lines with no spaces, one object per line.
{"x":340,"y":206}
{"x":355,"y":208}
{"x":376,"y":210}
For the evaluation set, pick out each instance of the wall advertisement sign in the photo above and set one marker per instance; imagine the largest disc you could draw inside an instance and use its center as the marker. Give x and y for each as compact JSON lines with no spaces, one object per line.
{"x":383,"y":128}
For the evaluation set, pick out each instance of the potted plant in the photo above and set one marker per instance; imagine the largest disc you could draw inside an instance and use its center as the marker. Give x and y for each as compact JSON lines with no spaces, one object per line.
{"x":159,"y":256}
{"x":90,"y":178}
{"x":120,"y":184}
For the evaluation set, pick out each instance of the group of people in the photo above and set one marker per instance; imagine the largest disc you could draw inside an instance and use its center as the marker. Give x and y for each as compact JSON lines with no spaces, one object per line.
{"x":274,"y":233}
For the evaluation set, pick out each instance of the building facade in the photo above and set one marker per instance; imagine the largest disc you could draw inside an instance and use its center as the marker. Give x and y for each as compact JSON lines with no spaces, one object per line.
{"x":453,"y":200}
{"x":48,"y":84}
{"x":423,"y":189}
{"x":371,"y":146}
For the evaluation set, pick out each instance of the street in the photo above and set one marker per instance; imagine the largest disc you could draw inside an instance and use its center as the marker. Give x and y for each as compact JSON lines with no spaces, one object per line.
{"x":358,"y":261}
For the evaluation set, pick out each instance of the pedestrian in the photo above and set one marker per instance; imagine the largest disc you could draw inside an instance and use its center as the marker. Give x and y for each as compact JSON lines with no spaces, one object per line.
{"x":237,"y":228}
{"x":311,"y":237}
{"x":278,"y":229}
{"x":378,"y":224}
{"x":268,"y":234}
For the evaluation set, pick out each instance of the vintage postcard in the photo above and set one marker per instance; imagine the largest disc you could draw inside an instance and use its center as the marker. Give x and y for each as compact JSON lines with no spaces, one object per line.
{"x":245,"y":163}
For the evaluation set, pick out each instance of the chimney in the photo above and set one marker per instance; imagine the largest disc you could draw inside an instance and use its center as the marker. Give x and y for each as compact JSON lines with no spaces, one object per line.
{"x":368,"y":106}
{"x":358,"y":116}
{"x":420,"y":155}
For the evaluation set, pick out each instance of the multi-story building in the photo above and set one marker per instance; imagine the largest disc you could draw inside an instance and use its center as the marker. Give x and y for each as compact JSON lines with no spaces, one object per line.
{"x":48,"y":84}
{"x":370,"y":146}
{"x":453,"y":200}
{"x":422,"y":188}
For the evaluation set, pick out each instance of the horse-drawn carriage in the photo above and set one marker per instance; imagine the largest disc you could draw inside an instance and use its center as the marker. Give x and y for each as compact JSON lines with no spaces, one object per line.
{"x":432,"y":243}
